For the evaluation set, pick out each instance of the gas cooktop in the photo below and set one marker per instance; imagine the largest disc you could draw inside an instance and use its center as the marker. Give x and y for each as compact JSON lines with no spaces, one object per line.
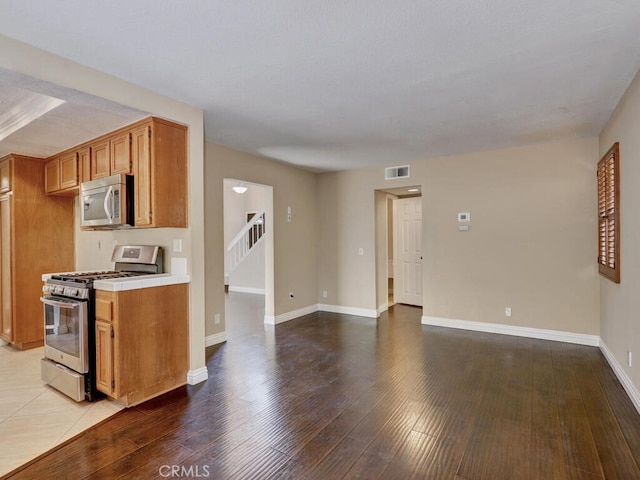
{"x":85,"y":277}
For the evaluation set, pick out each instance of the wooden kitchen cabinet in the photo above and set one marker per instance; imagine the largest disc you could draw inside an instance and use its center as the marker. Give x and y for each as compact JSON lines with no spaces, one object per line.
{"x":100,"y":160}
{"x":105,"y":380}
{"x":5,"y":175}
{"x":52,"y":175}
{"x":36,"y":237}
{"x":110,"y":156}
{"x":159,"y":154}
{"x":141,"y":342}
{"x":69,"y":172}
{"x":153,"y":150}
{"x":120,"y":153}
{"x":84,"y":164}
{"x":62,"y":174}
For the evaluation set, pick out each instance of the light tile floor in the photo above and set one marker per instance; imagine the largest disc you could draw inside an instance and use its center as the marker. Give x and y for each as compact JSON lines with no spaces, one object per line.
{"x":33,"y":417}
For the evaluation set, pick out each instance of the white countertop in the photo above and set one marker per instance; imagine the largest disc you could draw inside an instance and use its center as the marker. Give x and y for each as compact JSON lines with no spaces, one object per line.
{"x":142,"y":281}
{"x":134,"y":283}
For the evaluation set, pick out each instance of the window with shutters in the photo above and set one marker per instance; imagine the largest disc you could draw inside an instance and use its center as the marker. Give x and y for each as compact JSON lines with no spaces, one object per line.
{"x":609,"y":214}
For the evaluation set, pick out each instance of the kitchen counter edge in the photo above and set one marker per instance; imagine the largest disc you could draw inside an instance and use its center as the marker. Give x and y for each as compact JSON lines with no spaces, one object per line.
{"x":135,"y":283}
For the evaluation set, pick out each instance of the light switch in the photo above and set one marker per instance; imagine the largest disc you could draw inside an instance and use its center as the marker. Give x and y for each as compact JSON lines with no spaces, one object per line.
{"x":361,"y":251}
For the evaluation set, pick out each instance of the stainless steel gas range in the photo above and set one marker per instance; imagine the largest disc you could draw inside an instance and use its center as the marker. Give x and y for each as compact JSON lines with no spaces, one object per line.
{"x":69,"y":319}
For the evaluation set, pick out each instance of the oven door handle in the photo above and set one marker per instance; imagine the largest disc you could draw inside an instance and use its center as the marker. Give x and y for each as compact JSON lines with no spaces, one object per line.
{"x":55,"y":303}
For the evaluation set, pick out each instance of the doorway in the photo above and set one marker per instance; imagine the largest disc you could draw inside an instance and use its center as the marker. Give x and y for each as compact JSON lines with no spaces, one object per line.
{"x":248,"y":241}
{"x":399,"y":246}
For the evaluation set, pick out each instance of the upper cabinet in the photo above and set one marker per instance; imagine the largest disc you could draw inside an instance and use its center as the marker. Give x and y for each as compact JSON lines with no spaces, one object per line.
{"x":110,"y":156}
{"x":5,"y":175}
{"x":159,"y":157}
{"x":120,"y":153}
{"x":62,"y":174}
{"x":153,"y":150}
{"x":100,"y":162}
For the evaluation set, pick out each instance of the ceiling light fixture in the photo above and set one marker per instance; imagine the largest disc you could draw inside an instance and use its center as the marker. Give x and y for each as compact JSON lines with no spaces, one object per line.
{"x":240,"y":189}
{"x":412,"y":190}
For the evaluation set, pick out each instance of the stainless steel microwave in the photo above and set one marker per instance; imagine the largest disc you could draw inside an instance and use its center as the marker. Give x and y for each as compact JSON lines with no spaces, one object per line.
{"x":107,"y":203}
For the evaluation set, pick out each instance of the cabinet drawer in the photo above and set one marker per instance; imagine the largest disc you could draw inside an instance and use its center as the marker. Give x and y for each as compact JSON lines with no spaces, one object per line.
{"x":104,"y":307}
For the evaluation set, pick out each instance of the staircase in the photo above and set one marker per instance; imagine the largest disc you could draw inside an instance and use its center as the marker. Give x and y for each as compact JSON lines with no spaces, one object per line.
{"x":245,"y":241}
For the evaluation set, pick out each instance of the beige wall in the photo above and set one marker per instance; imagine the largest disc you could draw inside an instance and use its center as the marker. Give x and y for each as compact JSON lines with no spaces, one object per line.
{"x":531,"y":245}
{"x":294,"y":242}
{"x":620,"y":303}
{"x":27,"y":60}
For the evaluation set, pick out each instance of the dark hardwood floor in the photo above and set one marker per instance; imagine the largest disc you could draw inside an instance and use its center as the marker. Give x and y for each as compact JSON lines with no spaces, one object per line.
{"x":335,"y":396}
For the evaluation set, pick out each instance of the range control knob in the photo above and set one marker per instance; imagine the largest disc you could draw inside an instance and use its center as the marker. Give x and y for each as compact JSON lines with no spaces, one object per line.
{"x":71,"y":292}
{"x":59,"y":289}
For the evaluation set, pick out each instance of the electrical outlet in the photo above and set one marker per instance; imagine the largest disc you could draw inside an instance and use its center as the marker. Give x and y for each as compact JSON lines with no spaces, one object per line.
{"x":216,"y":318}
{"x":361,"y":251}
{"x":177,"y":245}
{"x":325,"y":294}
{"x":507,"y":311}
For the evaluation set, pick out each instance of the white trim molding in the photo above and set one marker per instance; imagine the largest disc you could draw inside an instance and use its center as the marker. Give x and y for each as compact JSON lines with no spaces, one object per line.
{"x":257,"y":291}
{"x":215,"y":339}
{"x":285,"y":317}
{"x":629,"y":387}
{"x":554,"y":335}
{"x":361,"y":312}
{"x":381,"y":309}
{"x":197,"y":376}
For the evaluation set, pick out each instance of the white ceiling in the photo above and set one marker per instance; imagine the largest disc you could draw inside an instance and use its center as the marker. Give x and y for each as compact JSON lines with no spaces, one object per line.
{"x":75,"y":117}
{"x":331,"y":85}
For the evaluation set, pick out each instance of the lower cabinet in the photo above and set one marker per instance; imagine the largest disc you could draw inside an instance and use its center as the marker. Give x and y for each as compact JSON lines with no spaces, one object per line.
{"x":104,"y":360}
{"x":141,"y":342}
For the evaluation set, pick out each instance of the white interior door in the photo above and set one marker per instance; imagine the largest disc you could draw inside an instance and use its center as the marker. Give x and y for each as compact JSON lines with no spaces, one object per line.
{"x":408,"y":251}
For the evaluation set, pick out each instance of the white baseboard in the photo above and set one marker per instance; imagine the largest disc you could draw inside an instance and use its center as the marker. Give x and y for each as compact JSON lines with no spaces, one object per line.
{"x":555,"y":335}
{"x":285,"y":317}
{"x":258,"y":291}
{"x":197,"y":376}
{"x":215,"y":339}
{"x":381,"y":309}
{"x":629,"y":387}
{"x":361,"y":312}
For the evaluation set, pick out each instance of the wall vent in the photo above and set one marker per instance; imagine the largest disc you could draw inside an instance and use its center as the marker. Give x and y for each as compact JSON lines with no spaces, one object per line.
{"x":396,"y":172}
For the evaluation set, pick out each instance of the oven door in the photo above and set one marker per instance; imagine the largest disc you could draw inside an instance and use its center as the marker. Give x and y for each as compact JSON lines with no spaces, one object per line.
{"x":65,"y":328}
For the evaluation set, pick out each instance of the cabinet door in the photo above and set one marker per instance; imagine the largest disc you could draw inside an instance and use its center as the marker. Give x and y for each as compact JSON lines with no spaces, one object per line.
{"x":5,"y":176}
{"x":104,"y":357}
{"x":69,"y":170}
{"x":100,"y":166}
{"x":120,"y":154}
{"x":52,"y":176}
{"x":84,"y":164}
{"x":142,"y":175}
{"x":6,"y":307}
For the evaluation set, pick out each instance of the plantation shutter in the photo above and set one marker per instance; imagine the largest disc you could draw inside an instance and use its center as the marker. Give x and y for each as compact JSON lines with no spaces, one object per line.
{"x":609,"y":214}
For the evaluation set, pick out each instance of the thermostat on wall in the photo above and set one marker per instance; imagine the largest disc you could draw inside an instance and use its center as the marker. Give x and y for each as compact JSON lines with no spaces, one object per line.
{"x":464,"y":217}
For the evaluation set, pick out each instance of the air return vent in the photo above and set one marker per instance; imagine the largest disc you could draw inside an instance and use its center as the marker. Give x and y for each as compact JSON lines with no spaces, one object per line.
{"x":396,"y":172}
